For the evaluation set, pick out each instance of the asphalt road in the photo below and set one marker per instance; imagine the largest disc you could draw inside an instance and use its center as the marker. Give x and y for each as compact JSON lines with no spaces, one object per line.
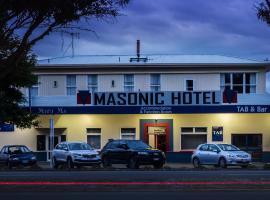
{"x":213,"y":195}
{"x":133,"y":176}
{"x":217,"y":184}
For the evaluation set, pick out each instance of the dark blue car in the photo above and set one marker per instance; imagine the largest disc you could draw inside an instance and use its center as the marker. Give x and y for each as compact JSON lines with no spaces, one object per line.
{"x":15,"y":155}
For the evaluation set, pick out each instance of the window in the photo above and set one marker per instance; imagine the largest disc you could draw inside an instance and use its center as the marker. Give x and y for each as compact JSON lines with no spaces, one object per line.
{"x":250,"y":82}
{"x":243,"y":83}
{"x":155,"y":82}
{"x":213,"y":148}
{"x":41,"y":142}
{"x":189,"y":85}
{"x":94,"y":137}
{"x":34,"y":90}
{"x":128,"y":133}
{"x":92,"y":83}
{"x":71,"y":85}
{"x":204,"y":147}
{"x":128,"y":82}
{"x":192,"y":137}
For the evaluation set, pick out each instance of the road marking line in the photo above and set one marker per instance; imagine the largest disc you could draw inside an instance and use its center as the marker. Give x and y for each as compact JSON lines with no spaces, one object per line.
{"x":214,"y":183}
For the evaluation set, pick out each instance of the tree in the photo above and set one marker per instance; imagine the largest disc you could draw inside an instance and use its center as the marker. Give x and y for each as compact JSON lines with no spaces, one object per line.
{"x":263,"y":11}
{"x":22,"y":24}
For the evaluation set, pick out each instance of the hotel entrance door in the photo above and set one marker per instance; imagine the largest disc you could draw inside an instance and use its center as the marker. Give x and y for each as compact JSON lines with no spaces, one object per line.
{"x":157,"y":137}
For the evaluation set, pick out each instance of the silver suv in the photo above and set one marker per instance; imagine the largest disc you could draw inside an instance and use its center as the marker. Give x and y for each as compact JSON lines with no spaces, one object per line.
{"x":75,"y":154}
{"x":222,"y":155}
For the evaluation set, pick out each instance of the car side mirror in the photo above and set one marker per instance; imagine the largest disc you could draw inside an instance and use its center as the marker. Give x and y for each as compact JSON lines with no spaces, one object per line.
{"x":216,"y":150}
{"x":65,"y":149}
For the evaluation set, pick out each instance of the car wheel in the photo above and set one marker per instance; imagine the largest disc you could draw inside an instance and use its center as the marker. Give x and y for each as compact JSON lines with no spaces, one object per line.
{"x":97,"y":166}
{"x":158,"y":165}
{"x":196,"y":163}
{"x":106,"y":162}
{"x":54,"y":163}
{"x":9,"y":165}
{"x":222,"y":163}
{"x":70,"y":164}
{"x":133,"y":163}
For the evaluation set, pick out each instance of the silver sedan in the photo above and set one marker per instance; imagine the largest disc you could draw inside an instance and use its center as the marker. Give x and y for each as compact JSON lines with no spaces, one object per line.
{"x":222,"y":155}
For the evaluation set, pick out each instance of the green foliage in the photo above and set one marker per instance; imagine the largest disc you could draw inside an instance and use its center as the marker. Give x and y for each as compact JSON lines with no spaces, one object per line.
{"x":263,"y":11}
{"x":22,"y":24}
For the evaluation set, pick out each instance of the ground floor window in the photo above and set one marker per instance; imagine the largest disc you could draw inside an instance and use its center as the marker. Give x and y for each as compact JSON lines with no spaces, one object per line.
{"x":94,"y":137}
{"x":251,"y":143}
{"x":43,"y":141}
{"x":191,"y":137}
{"x":128,"y":133}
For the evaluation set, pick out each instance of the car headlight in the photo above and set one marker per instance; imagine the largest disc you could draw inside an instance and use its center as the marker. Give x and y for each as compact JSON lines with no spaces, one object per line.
{"x":33,"y":158}
{"x":14,"y":159}
{"x":142,"y":153}
{"x":77,"y":155}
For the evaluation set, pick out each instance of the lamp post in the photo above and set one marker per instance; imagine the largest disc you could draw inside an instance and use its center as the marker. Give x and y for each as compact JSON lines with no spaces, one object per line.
{"x":51,"y":138}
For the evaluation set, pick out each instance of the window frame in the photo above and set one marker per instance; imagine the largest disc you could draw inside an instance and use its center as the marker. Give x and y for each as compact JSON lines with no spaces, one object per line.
{"x":94,"y":134}
{"x":91,"y":86}
{"x":127,"y":84}
{"x":128,"y":134}
{"x":194,"y":132}
{"x":188,"y":88}
{"x":153,"y":85}
{"x":231,"y":85}
{"x":36,"y":86}
{"x":71,"y":86}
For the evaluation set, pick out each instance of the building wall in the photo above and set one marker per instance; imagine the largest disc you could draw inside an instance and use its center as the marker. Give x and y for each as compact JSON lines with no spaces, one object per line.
{"x":142,"y":82}
{"x":46,"y":85}
{"x":169,"y":82}
{"x":105,"y":83}
{"x":111,"y":124}
{"x":19,"y":136}
{"x":176,"y":82}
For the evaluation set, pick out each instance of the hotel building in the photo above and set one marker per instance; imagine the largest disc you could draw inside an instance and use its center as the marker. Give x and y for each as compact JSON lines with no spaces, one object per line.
{"x":171,"y":102}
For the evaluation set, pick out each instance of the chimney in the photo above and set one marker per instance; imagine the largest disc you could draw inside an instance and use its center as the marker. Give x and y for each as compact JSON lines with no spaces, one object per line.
{"x":138,"y":49}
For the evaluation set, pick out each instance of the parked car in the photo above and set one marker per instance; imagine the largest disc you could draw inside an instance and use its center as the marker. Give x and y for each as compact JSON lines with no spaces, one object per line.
{"x":14,"y":155}
{"x":222,"y":155}
{"x":75,"y":154}
{"x":131,"y":152}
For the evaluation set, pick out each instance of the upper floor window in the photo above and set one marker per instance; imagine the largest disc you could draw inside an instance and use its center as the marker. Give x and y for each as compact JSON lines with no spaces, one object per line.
{"x":155,"y":82}
{"x":71,"y":85}
{"x":128,"y":82}
{"x":92,"y":83}
{"x":34,"y":90}
{"x":243,"y":83}
{"x":189,"y":85}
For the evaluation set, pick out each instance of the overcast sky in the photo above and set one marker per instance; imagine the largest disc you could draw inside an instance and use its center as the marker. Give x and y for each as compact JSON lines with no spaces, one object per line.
{"x":224,"y":27}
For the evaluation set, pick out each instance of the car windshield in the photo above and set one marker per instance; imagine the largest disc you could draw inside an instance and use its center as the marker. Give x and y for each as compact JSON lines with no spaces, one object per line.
{"x":79,"y":146}
{"x":228,"y":147}
{"x":135,"y":144}
{"x":18,"y":150}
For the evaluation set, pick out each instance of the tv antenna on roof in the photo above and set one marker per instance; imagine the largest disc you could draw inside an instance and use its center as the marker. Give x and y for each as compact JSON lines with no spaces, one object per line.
{"x":73,"y":36}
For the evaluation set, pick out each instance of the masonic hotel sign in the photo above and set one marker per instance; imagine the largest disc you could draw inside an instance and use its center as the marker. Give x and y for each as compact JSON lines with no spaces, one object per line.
{"x":149,"y":98}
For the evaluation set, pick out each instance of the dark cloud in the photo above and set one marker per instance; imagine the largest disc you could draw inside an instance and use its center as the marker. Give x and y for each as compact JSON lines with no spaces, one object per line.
{"x":173,"y":26}
{"x":227,"y":27}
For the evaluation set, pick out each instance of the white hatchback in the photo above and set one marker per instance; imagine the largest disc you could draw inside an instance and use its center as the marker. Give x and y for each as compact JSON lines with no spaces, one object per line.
{"x":222,"y":155}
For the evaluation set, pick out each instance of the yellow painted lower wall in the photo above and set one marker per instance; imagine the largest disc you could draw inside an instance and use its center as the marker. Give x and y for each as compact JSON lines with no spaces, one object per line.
{"x":111,"y":124}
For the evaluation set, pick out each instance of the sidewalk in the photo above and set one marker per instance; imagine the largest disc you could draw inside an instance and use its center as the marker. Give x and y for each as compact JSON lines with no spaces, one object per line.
{"x":167,"y":166}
